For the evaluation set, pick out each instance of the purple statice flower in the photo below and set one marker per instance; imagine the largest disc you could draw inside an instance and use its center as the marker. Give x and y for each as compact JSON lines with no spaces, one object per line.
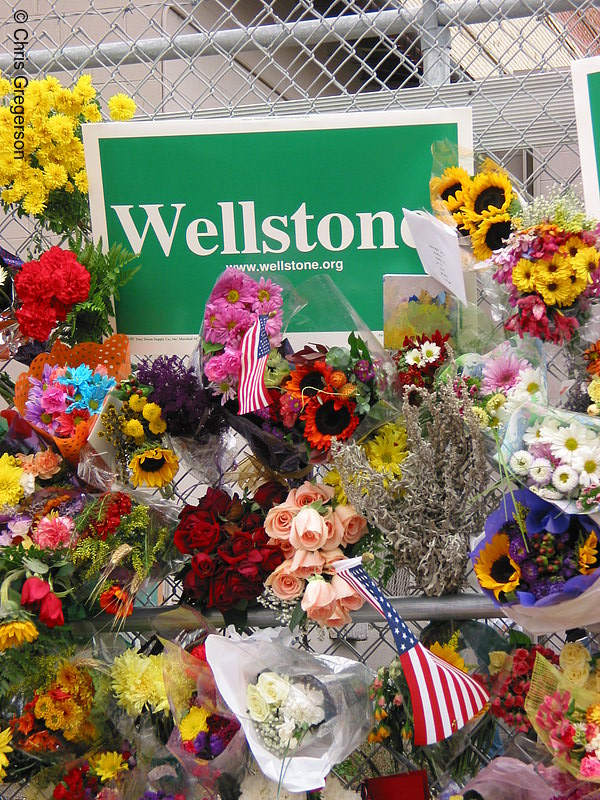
{"x":201,"y":743}
{"x":364,"y":370}
{"x":517,"y":551}
{"x":177,"y":391}
{"x":546,"y":587}
{"x":217,"y":744}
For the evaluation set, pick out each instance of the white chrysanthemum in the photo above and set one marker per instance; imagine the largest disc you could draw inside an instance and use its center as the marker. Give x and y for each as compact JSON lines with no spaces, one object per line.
{"x":413,"y":357}
{"x":541,"y":471}
{"x":587,"y":464}
{"x":430,"y":351}
{"x":520,"y":462}
{"x":547,"y":493}
{"x":547,"y":430}
{"x":565,"y":478}
{"x":532,"y":434}
{"x":569,"y":439}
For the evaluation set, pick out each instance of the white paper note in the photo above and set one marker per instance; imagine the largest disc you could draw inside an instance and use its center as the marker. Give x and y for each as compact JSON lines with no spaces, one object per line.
{"x":438,"y":249}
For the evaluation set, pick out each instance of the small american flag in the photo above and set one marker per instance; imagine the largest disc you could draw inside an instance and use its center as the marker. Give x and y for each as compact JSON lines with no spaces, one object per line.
{"x":252,"y":394}
{"x":443,"y":697}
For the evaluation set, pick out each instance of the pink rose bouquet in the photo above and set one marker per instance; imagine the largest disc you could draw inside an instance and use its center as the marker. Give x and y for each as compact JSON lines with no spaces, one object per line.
{"x":313,"y":530}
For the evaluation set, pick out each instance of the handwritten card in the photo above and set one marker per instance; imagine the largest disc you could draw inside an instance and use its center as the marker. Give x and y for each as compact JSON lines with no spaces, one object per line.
{"x":438,"y":249}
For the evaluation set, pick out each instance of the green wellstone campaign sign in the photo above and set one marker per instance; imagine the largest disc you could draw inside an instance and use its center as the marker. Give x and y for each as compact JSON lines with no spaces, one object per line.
{"x":586,"y":94}
{"x":276,"y":198}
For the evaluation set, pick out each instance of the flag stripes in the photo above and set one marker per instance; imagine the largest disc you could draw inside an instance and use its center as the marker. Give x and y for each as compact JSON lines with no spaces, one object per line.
{"x":255,"y":349}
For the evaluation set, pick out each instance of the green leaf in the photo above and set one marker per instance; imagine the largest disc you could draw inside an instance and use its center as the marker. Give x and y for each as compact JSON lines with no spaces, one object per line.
{"x":211,"y":347}
{"x":519,"y":638}
{"x":33,"y":565}
{"x":298,"y":616}
{"x":3,"y":427}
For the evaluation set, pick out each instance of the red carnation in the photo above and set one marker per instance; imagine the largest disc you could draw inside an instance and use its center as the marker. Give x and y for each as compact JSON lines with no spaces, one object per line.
{"x":36,"y":320}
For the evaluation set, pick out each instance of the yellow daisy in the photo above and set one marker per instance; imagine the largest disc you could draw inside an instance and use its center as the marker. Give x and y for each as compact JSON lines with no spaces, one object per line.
{"x":133,"y":428}
{"x":572,"y":246}
{"x":151,"y":412}
{"x":108,"y":765}
{"x":448,"y":653}
{"x":386,"y":451}
{"x":5,"y":737}
{"x":523,"y":276}
{"x":157,"y":426}
{"x":556,"y":292}
{"x":137,"y":402}
{"x":586,"y":262}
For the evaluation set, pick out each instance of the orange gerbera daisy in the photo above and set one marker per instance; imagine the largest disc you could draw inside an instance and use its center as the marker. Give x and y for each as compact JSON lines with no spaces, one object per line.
{"x":116,"y":601}
{"x":592,"y":356}
{"x":333,"y":417}
{"x":308,"y":380}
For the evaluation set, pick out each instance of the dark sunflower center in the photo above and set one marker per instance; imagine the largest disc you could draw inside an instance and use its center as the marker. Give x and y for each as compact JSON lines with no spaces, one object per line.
{"x":572,"y":251}
{"x":330,"y":421}
{"x":311,"y":384}
{"x":496,"y":235}
{"x":502,"y":570}
{"x":552,"y":287}
{"x":153,"y":464}
{"x":450,"y":191}
{"x":492,"y":196}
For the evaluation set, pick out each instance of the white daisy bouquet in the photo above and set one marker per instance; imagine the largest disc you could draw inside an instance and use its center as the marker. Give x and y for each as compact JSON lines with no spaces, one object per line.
{"x":302,"y":714}
{"x":556,"y":454}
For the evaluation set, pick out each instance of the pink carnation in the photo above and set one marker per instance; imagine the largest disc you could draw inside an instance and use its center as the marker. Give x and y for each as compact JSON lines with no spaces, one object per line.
{"x":589,"y":767}
{"x":53,"y":532}
{"x":226,"y":364}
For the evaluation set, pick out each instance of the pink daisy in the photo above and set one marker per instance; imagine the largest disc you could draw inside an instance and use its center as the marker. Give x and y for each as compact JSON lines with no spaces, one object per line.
{"x":234,"y":288}
{"x":502,"y":373}
{"x":228,"y":323}
{"x":268,"y":297}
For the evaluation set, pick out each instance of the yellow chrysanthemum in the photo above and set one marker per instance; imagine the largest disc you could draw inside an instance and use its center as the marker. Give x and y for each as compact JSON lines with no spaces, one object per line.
{"x":588,"y":554}
{"x":81,"y":181}
{"x":151,"y":412}
{"x":586,"y":262}
{"x":5,"y":737}
{"x":121,"y":107}
{"x":11,"y":490}
{"x":488,"y":195}
{"x":91,"y":113}
{"x":495,"y":569}
{"x":155,"y":467}
{"x":490,"y":235}
{"x":137,"y":402}
{"x":593,"y":390}
{"x":16,"y":633}
{"x":523,"y":276}
{"x":194,"y":722}
{"x":133,"y":428}
{"x":158,"y":426}
{"x":333,"y":478}
{"x":108,"y":765}
{"x":83,"y":89}
{"x":5,"y":87}
{"x":387,"y":450}
{"x":55,"y":176}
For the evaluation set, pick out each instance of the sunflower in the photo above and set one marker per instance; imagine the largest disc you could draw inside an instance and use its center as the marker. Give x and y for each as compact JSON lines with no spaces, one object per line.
{"x":450,"y":187}
{"x":5,"y":737}
{"x":588,"y":554}
{"x":592,"y":356}
{"x":155,"y":467}
{"x":495,"y":569}
{"x":489,"y":195}
{"x":489,"y":235}
{"x":323,"y":420}
{"x":448,"y":653}
{"x":523,"y":277}
{"x":308,"y":380}
{"x":464,"y":226}
{"x":16,"y":632}
{"x":586,"y":262}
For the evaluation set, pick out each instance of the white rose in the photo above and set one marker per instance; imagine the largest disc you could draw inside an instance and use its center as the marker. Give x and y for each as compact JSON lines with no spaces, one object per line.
{"x":257,"y":705}
{"x":273,"y":688}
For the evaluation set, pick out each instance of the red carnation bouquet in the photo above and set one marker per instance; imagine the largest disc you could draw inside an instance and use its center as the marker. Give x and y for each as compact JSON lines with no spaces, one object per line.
{"x":230,"y":554}
{"x":48,"y":289}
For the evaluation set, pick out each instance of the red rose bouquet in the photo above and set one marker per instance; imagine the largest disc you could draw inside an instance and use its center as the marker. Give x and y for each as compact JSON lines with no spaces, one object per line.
{"x":230,"y":553}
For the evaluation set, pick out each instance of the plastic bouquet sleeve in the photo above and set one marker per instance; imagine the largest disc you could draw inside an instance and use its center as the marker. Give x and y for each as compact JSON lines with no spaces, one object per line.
{"x":561,"y":616}
{"x":509,"y":777}
{"x":237,"y":663}
{"x":189,"y":682}
{"x":113,"y":354}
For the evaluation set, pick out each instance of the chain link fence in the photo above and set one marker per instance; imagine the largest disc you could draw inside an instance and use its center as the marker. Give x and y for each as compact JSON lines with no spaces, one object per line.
{"x":508,"y":60}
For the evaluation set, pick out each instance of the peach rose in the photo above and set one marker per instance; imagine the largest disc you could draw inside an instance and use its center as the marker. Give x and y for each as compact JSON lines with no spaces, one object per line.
{"x":278,"y":521}
{"x":333,"y":555}
{"x":345,"y":594}
{"x":335,"y":532}
{"x":47,"y":463}
{"x":306,"y":563}
{"x":285,"y":585}
{"x":308,"y":531}
{"x":355,"y":526}
{"x":286,"y":548}
{"x":319,"y":601}
{"x":339,"y":618}
{"x":311,"y":493}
